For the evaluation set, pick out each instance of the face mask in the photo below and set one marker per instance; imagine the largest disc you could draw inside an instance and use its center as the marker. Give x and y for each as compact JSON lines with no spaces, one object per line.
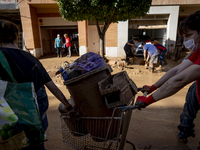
{"x":190,"y":44}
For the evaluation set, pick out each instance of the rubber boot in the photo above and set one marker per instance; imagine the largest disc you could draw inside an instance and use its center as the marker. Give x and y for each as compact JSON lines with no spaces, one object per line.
{"x":151,"y":70}
{"x":184,"y":134}
{"x":159,"y":68}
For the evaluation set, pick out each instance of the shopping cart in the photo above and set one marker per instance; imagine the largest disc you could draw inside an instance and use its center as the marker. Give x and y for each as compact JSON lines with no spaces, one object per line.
{"x":106,"y":133}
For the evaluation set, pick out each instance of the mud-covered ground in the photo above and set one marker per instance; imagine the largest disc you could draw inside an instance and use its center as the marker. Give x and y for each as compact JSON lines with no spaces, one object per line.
{"x":152,"y":128}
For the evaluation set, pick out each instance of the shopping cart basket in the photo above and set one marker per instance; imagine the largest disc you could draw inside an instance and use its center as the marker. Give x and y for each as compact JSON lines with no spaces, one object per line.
{"x":76,"y":135}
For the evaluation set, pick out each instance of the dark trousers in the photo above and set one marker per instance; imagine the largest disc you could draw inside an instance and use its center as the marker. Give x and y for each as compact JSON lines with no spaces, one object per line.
{"x":190,"y":109}
{"x":59,"y":51}
{"x":128,"y":54}
{"x":162,"y":57}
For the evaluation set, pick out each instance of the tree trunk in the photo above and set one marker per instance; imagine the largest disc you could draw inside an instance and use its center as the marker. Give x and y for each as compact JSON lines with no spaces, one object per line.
{"x":102,"y":37}
{"x":102,"y":44}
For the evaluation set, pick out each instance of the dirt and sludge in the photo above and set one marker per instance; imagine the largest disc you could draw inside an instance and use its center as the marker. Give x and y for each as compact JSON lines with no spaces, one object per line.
{"x":152,"y":128}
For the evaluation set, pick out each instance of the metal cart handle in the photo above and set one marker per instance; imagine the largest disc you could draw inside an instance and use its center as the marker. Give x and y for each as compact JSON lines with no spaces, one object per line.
{"x":133,"y":107}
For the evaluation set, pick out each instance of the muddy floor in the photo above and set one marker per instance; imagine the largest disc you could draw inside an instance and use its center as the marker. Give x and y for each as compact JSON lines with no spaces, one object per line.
{"x":151,"y":128}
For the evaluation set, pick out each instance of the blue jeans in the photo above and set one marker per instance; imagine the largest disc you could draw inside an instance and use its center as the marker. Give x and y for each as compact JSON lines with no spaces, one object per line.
{"x":190,"y":110}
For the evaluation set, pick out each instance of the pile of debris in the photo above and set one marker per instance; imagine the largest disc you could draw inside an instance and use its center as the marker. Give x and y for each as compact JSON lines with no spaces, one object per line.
{"x":96,"y":92}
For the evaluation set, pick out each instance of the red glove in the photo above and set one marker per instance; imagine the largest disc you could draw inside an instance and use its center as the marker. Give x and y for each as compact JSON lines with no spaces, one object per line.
{"x":143,"y":101}
{"x":148,"y":89}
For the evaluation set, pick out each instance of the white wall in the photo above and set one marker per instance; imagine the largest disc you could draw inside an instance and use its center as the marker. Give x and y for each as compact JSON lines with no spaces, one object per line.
{"x":82,"y":50}
{"x":172,"y":23}
{"x":122,"y":37}
{"x":122,"y":40}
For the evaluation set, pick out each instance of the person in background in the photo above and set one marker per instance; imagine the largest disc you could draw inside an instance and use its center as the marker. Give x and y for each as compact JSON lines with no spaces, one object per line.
{"x":68,"y":44}
{"x":58,"y":45}
{"x":155,"y":42}
{"x":176,"y":78}
{"x":162,"y":52}
{"x":128,"y":49}
{"x":136,"y":44}
{"x":152,"y":57}
{"x":26,"y":68}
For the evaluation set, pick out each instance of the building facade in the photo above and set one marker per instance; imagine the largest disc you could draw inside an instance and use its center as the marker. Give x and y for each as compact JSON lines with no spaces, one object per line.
{"x":9,"y":10}
{"x":41,"y":22}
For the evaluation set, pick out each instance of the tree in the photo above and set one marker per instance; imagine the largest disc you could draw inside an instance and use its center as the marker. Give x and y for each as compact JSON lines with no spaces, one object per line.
{"x":103,"y":11}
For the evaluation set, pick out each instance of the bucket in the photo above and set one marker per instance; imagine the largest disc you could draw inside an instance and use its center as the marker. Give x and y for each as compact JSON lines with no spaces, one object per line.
{"x":84,"y":91}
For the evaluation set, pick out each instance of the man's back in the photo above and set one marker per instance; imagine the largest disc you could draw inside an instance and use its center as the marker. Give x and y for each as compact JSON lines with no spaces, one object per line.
{"x":152,"y":50}
{"x":24,"y":67}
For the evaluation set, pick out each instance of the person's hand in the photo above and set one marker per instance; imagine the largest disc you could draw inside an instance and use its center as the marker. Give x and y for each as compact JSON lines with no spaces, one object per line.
{"x":74,"y":114}
{"x":148,"y":89}
{"x":143,"y":101}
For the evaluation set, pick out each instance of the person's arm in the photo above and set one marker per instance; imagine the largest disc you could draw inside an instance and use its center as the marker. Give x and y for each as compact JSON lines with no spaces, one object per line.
{"x":62,"y":42}
{"x":130,"y":44}
{"x":172,"y":72}
{"x":67,"y":41}
{"x":58,"y":94}
{"x":171,"y":86}
{"x":145,"y":54}
{"x":177,"y":82}
{"x":148,"y":58}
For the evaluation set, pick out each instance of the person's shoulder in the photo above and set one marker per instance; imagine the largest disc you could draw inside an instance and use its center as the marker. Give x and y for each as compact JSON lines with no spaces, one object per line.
{"x":19,"y":53}
{"x":146,"y":45}
{"x":196,"y":53}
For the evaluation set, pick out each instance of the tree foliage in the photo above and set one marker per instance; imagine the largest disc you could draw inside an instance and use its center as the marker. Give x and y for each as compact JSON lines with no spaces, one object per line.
{"x":103,"y":10}
{"x":106,"y":11}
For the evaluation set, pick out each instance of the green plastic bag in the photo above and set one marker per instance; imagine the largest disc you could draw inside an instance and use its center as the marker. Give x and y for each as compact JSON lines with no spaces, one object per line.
{"x":12,"y":137}
{"x":21,"y":98}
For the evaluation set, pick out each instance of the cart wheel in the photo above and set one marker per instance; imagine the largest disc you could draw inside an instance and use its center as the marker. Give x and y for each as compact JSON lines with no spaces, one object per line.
{"x":128,"y":147}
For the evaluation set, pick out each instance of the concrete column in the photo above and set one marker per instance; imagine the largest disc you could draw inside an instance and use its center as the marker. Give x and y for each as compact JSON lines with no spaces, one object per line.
{"x":82,"y":30}
{"x":30,"y":28}
{"x":172,"y":23}
{"x":111,"y":40}
{"x":122,"y":37}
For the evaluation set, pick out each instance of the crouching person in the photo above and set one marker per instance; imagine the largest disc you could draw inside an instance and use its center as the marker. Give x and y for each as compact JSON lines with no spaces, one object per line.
{"x":152,"y":57}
